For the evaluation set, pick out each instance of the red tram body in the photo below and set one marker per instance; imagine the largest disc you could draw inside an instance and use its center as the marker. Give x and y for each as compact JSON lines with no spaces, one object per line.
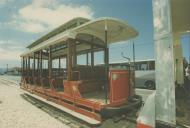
{"x":90,"y":92}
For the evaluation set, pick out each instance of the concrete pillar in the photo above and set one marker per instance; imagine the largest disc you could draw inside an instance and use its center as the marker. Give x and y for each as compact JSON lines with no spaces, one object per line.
{"x":170,"y":21}
{"x":164,"y":64}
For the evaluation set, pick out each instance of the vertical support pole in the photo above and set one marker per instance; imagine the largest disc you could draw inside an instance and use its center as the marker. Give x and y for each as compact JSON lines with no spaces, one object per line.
{"x":50,"y":63}
{"x":41,"y":68}
{"x":106,"y":60}
{"x":59,"y":65}
{"x":22,"y":66}
{"x":133,"y":53}
{"x":34,"y":65}
{"x":86,"y":58}
{"x":134,"y":63}
{"x":38,"y":65}
{"x":29,"y":66}
{"x":92,"y":55}
{"x":74,"y":53}
{"x":164,"y":64}
{"x":70,"y":45}
{"x":69,"y":59}
{"x":26,"y":66}
{"x":66,"y":62}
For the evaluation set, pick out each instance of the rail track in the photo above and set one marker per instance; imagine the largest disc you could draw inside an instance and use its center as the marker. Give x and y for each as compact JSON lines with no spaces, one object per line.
{"x":73,"y":122}
{"x":56,"y":113}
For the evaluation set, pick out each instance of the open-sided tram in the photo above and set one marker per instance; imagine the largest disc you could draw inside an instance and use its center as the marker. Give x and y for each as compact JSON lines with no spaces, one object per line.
{"x":90,"y":92}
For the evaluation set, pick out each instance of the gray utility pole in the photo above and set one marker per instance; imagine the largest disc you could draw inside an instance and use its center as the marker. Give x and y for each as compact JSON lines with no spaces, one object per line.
{"x":7,"y":67}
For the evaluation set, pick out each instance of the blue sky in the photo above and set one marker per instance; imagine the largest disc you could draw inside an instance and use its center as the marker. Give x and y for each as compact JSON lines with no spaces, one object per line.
{"x":24,"y":21}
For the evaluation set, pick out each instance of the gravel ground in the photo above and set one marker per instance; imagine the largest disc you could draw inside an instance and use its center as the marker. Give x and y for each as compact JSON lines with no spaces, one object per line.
{"x":15,"y":112}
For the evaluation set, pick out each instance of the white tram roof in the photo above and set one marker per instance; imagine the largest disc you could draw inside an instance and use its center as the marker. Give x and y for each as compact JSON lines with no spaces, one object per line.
{"x":117,"y":30}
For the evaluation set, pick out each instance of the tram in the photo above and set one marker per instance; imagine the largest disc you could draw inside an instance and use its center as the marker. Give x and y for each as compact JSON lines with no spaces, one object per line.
{"x":90,"y":92}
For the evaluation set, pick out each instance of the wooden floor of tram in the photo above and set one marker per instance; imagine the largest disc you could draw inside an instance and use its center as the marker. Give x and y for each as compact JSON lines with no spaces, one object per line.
{"x":97,"y":96}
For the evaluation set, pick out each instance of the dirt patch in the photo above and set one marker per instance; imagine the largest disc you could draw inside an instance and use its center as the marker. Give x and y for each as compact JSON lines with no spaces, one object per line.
{"x":182,"y":106}
{"x":16,"y":112}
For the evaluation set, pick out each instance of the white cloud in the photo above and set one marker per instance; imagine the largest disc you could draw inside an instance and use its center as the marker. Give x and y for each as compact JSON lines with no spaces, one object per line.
{"x":43,"y":15}
{"x":7,"y":55}
{"x":10,"y":50}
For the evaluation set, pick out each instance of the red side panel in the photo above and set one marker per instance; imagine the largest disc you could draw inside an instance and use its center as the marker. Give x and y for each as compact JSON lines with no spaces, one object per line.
{"x":119,"y":86}
{"x":139,"y":125}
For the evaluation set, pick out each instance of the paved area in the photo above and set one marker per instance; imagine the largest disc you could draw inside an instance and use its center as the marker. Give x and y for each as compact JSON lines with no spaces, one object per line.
{"x":15,"y":112}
